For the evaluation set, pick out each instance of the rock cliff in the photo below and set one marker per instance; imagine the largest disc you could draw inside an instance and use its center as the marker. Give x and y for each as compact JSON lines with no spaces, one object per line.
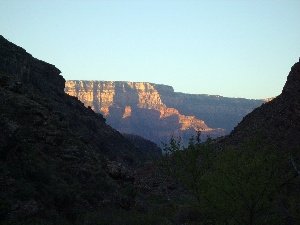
{"x":278,"y":121}
{"x":138,"y":108}
{"x":156,"y":112}
{"x":36,"y":74}
{"x":58,"y":159}
{"x":215,"y":110}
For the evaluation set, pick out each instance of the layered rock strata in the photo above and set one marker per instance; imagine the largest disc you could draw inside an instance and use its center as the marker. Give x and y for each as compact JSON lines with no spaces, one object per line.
{"x":215,"y":110}
{"x":130,"y":106}
{"x":137,"y":108}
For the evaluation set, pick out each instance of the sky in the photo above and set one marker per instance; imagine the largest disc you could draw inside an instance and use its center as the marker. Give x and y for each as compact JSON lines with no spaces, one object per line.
{"x":237,"y":48}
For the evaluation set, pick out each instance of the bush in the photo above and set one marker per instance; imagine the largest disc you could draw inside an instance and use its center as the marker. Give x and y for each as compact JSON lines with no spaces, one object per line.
{"x":240,"y":185}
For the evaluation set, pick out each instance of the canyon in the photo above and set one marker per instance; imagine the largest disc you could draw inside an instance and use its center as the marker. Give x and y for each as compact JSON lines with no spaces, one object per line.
{"x":61,"y":162}
{"x":156,"y":112}
{"x":58,"y":159}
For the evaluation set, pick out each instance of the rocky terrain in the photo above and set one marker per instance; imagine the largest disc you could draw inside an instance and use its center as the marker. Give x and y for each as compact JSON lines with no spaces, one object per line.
{"x":156,"y":112}
{"x":137,"y":108}
{"x":215,"y":110}
{"x":60,"y":163}
{"x":58,"y":159}
{"x":250,"y":176}
{"x":269,"y":140}
{"x":278,"y":121}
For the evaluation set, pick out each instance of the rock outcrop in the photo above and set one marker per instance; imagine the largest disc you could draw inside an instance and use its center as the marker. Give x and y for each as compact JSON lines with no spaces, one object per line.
{"x":44,"y":81}
{"x":137,"y":108}
{"x":215,"y":110}
{"x":156,"y":112}
{"x":56,"y":155}
{"x":35,"y":73}
{"x":278,"y":121}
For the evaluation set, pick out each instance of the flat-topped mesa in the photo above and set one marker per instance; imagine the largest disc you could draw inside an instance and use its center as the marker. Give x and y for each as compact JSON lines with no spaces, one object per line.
{"x":43,"y":76}
{"x":100,"y":95}
{"x":137,"y":108}
{"x":215,"y":110}
{"x":162,"y":88}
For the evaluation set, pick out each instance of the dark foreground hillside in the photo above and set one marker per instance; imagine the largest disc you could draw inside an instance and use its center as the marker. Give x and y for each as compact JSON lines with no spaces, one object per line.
{"x":60,"y":163}
{"x":58,"y":159}
{"x":277,"y":121}
{"x":251,"y":176}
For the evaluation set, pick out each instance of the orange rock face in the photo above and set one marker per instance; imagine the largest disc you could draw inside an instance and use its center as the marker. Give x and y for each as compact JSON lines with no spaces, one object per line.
{"x":127,"y":112}
{"x":135,"y":107}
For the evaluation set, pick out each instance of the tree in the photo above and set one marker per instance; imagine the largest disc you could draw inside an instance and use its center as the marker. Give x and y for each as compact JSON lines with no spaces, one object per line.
{"x":240,"y":185}
{"x":246,"y":183}
{"x":188,"y":164}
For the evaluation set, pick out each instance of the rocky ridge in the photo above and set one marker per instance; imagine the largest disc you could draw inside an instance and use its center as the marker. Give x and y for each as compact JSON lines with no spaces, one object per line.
{"x":278,"y":121}
{"x":101,"y":96}
{"x":137,"y":108}
{"x":58,"y":159}
{"x":156,"y":112}
{"x":60,"y":163}
{"x":44,"y":80}
{"x":215,"y":110}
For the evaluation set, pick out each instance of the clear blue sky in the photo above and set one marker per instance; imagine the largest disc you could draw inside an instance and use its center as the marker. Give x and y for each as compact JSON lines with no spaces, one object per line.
{"x":238,"y":48}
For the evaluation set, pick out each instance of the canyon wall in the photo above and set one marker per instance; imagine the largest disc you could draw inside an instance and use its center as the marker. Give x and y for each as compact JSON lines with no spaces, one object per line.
{"x":156,"y":112}
{"x":277,"y":121}
{"x":215,"y":110}
{"x":59,"y":160}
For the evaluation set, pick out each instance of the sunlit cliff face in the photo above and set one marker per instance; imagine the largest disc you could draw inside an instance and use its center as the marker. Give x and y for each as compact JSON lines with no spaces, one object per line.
{"x":128,"y":97}
{"x":127,"y":112}
{"x":98,"y":95}
{"x":102,"y":94}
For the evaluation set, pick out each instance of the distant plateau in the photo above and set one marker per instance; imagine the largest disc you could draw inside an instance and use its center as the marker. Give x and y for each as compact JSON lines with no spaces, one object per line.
{"x":156,"y":112}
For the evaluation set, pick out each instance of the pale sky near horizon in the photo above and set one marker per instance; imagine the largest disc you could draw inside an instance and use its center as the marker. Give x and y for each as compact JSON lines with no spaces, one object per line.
{"x":237,"y":48}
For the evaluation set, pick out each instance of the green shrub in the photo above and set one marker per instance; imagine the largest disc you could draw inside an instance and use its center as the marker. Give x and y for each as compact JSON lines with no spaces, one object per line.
{"x":240,"y":185}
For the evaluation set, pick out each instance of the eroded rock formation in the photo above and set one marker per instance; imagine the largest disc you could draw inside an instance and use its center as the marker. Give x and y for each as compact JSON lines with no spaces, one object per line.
{"x":277,"y":121}
{"x":215,"y":110}
{"x":57,"y":157}
{"x":143,"y":108}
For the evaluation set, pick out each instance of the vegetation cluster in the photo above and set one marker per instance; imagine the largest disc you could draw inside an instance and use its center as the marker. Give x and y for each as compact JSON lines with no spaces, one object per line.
{"x":60,"y":163}
{"x":254,"y":183}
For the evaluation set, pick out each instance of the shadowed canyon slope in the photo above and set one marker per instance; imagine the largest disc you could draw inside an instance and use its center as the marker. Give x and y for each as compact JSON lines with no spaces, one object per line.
{"x":278,"y":121}
{"x":60,"y":163}
{"x":58,"y":159}
{"x":156,"y":112}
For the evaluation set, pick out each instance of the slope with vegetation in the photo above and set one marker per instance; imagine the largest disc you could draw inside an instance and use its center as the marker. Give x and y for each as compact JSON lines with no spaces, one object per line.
{"x":251,"y":176}
{"x":253,"y":183}
{"x":59,"y":161}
